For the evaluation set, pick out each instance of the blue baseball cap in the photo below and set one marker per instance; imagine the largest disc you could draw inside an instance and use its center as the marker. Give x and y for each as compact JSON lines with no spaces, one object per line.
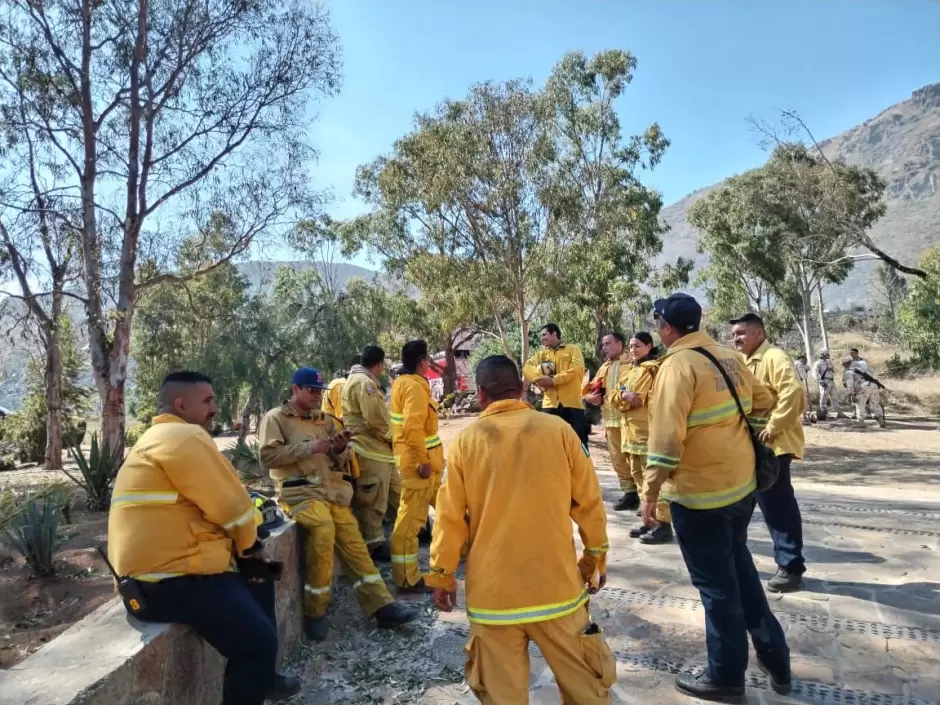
{"x":681,"y":311}
{"x":308,"y":377}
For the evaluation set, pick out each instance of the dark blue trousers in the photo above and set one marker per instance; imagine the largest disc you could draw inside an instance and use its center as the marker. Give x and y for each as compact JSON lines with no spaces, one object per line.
{"x":235,"y":616}
{"x":714,"y":546}
{"x":782,"y":514}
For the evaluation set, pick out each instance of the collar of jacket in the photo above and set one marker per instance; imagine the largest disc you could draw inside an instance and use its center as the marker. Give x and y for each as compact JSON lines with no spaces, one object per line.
{"x":289,"y":410}
{"x":759,"y":353}
{"x":503,"y":405}
{"x":359,"y":369}
{"x":557,"y":347}
{"x":166,"y":418}
{"x":698,"y":339}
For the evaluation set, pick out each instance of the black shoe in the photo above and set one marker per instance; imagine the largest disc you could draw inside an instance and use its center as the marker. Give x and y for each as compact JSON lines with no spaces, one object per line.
{"x":630,"y":500}
{"x":424,"y":536}
{"x":381,"y":553}
{"x":316,"y":628}
{"x":419,"y":588}
{"x":784,"y":581}
{"x":781,"y":680}
{"x":394,"y":615}
{"x":662,"y":533}
{"x":705,"y":688}
{"x":285,"y":686}
{"x":638,"y":530}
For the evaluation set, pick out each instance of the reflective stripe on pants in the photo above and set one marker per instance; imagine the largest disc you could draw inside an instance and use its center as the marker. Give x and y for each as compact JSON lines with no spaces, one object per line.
{"x":412,"y":515}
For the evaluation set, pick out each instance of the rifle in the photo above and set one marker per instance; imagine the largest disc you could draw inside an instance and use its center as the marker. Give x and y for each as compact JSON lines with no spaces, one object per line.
{"x":867,"y":377}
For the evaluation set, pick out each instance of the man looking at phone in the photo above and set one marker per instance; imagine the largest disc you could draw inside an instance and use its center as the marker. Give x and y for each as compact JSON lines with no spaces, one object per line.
{"x":306,"y":452}
{"x":180,"y":521}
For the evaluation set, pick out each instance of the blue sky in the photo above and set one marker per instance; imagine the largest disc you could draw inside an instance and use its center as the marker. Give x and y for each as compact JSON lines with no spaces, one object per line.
{"x":703,"y":67}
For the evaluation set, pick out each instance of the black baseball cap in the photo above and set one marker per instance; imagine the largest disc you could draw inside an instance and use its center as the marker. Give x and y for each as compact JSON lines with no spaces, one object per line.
{"x":681,"y":311}
{"x":749,"y":317}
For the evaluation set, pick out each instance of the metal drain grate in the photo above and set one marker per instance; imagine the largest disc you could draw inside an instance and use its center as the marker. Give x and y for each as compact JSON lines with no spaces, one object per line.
{"x":834,"y":624}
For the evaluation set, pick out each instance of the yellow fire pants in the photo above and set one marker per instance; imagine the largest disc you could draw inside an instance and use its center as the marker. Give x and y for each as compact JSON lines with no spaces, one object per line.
{"x":374,"y":496}
{"x":497,"y":668}
{"x":637,"y":468}
{"x":416,"y":499}
{"x":618,"y":459}
{"x":331,"y":526}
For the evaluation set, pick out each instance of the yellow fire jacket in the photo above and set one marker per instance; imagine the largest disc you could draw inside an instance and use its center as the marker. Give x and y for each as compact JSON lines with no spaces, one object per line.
{"x":774,"y":369}
{"x":521,"y":477}
{"x":414,"y":429}
{"x":609,"y":377}
{"x":565,"y":365}
{"x":285,"y":438}
{"x":700,"y":453}
{"x":635,"y":426}
{"x":367,"y":416}
{"x":178,"y":507}
{"x":333,"y":398}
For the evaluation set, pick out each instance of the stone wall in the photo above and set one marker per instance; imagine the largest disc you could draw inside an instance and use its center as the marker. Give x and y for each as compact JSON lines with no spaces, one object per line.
{"x":109,"y":658}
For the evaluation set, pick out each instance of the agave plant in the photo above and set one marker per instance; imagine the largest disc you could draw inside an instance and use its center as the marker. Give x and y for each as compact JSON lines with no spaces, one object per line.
{"x":33,"y":533}
{"x":95,"y":472}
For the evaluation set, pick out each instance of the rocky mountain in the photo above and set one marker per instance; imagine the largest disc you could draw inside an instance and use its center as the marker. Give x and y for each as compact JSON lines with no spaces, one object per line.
{"x":902,"y":143}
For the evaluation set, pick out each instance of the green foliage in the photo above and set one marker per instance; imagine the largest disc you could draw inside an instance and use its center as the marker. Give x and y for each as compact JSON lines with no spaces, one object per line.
{"x":95,"y":472}
{"x":33,"y":533}
{"x":919,"y":314}
{"x":246,"y":457}
{"x":133,"y":434}
{"x":891,"y":291}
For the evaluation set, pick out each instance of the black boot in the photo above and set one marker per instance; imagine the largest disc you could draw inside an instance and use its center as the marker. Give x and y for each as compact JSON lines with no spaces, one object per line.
{"x":777,"y":670}
{"x":638,"y":530}
{"x":419,"y":588}
{"x":424,"y":536}
{"x":285,"y":686}
{"x":705,"y":688}
{"x":394,"y":615}
{"x":630,"y":500}
{"x":381,"y":553}
{"x":784,"y":581}
{"x":316,"y":628}
{"x":661,"y":534}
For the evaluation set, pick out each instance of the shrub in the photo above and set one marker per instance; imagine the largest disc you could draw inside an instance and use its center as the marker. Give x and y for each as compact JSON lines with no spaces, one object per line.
{"x":95,"y":472}
{"x":246,"y":457}
{"x":33,"y":533}
{"x":133,"y":434}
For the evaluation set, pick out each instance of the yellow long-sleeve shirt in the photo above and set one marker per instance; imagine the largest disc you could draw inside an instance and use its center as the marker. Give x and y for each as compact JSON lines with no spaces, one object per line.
{"x":515,"y":480}
{"x":635,"y":427}
{"x":414,"y":429}
{"x":565,"y":365}
{"x":774,"y":369}
{"x":333,"y":398}
{"x":367,"y":417}
{"x":700,"y":453}
{"x":609,"y":378}
{"x":178,"y":507}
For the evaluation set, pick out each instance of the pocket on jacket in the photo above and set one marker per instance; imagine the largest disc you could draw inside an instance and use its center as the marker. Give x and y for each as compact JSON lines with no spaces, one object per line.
{"x":365,"y":495}
{"x":598,"y":656}
{"x":473,"y":673}
{"x":204,"y":531}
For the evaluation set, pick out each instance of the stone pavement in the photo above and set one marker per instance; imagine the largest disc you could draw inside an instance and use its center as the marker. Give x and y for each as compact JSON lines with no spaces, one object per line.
{"x":865,"y":629}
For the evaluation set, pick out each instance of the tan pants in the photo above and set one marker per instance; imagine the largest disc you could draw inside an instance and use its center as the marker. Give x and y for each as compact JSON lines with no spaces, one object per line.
{"x":619,"y":459}
{"x":497,"y":667}
{"x":373,"y":496}
{"x":637,"y":468}
{"x":412,"y":515}
{"x":329,"y":527}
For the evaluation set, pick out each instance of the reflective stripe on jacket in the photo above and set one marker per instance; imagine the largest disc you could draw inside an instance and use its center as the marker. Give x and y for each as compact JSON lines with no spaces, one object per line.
{"x":565,"y":365}
{"x":700,"y":453}
{"x":515,"y":481}
{"x":414,"y":420}
{"x":367,"y":417}
{"x":774,"y":369}
{"x":178,"y":507}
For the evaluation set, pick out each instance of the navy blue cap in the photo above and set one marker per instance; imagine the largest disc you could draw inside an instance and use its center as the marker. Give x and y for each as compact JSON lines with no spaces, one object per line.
{"x":681,"y":311}
{"x":308,"y":377}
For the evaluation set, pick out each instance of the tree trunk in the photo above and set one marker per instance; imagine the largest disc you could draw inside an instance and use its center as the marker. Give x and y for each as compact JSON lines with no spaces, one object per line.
{"x":599,"y":333}
{"x":450,"y":367}
{"x":804,"y":326}
{"x":111,"y":379}
{"x":524,"y":327}
{"x":246,"y":416}
{"x":53,"y":382}
{"x":822,"y":320}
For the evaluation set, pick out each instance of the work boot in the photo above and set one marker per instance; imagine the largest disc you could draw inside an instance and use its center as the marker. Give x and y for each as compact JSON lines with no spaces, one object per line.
{"x":381,"y":553}
{"x":316,"y":628}
{"x":419,"y":588}
{"x":630,"y":500}
{"x":784,"y":581}
{"x":707,"y":689}
{"x":777,"y":670}
{"x":662,"y":533}
{"x":638,"y":530}
{"x":394,"y":615}
{"x":285,"y":686}
{"x":424,"y":536}
{"x":881,"y":422}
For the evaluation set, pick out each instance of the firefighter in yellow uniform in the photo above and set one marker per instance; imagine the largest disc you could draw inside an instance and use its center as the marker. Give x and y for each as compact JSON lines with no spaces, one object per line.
{"x":420,"y":459}
{"x":636,"y":387}
{"x":515,"y":481}
{"x":305,"y":451}
{"x":558,"y":369}
{"x":604,"y":391}
{"x":333,"y":399}
{"x":367,"y":418}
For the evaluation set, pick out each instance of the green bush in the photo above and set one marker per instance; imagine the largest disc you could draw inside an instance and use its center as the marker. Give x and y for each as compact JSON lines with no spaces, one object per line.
{"x":33,"y":533}
{"x":133,"y":434}
{"x":95,"y":472}
{"x":246,"y":457}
